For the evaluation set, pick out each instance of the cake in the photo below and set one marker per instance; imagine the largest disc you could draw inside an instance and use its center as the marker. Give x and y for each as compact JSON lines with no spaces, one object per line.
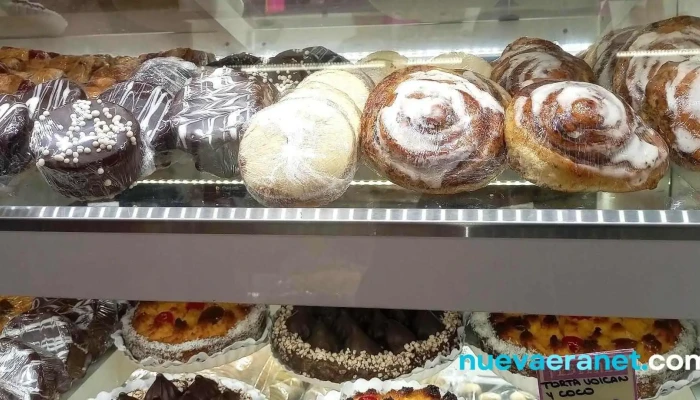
{"x":30,"y":373}
{"x":430,"y":392}
{"x":168,"y":331}
{"x":519,"y":334}
{"x":10,"y":306}
{"x":344,"y":344}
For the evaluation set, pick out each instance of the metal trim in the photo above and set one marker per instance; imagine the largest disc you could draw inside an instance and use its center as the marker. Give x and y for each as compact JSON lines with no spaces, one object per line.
{"x":489,"y":223}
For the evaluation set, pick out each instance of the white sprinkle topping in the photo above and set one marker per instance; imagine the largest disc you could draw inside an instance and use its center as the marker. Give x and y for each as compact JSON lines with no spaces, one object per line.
{"x":58,"y":157}
{"x":66,"y":160}
{"x":88,"y":150}
{"x":109,"y":147}
{"x":40,"y":163}
{"x":69,"y":152}
{"x":75,"y":160}
{"x":45,"y":152}
{"x":100,"y":171}
{"x":108,"y":182}
{"x":98,"y":150}
{"x":130,"y":134}
{"x":42,"y":118}
{"x":45,"y":114}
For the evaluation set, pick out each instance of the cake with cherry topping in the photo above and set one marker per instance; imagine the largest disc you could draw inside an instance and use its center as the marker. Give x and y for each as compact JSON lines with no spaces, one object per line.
{"x":168,"y":331}
{"x":11,"y":306}
{"x":519,"y":334}
{"x":345,"y":344}
{"x":430,"y":392}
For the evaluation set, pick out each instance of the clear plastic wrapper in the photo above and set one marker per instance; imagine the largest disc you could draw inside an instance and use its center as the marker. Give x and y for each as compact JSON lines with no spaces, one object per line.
{"x":170,"y":73}
{"x":381,"y":64}
{"x":483,"y":341}
{"x":431,"y":130}
{"x":540,"y":59}
{"x":150,"y":105}
{"x":291,"y":67}
{"x":210,"y":113}
{"x":601,"y":56}
{"x":578,"y":137}
{"x":54,"y":334}
{"x":15,"y":132}
{"x":51,"y":95}
{"x":460,"y":61}
{"x":98,"y":319}
{"x":28,"y":373}
{"x":197,"y":57}
{"x":327,"y":346}
{"x":90,"y":149}
{"x":237,"y":61}
{"x":171,"y":386}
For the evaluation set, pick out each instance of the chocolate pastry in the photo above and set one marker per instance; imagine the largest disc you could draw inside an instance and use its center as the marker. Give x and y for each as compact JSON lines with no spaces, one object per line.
{"x":323,"y":338}
{"x":229,"y":395}
{"x":51,"y":95}
{"x":98,"y":319}
{"x":210,"y":112}
{"x":30,"y":373}
{"x":5,"y":306}
{"x":300,"y":323}
{"x":84,"y":157}
{"x":162,"y":389}
{"x":197,"y":57}
{"x":425,"y":323}
{"x":56,"y":335}
{"x":201,"y":389}
{"x":237,"y":61}
{"x":403,"y":316}
{"x":211,"y":315}
{"x":120,"y":69}
{"x":124,"y":396}
{"x":170,"y":73}
{"x":150,"y":105}
{"x":14,"y":84}
{"x":293,"y":65}
{"x":339,"y":348}
{"x":15,"y":131}
{"x":398,"y":336}
{"x":358,"y":341}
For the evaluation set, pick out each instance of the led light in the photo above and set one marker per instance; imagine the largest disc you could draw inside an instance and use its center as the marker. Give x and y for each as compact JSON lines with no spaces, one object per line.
{"x":658,"y":53}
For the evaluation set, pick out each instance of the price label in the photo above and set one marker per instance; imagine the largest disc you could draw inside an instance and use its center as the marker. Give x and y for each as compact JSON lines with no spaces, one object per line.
{"x":595,"y":376}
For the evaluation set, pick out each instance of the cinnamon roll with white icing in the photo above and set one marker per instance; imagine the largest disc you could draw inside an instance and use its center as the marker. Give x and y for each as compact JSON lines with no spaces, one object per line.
{"x":579,"y":137}
{"x":603,"y":54}
{"x":528,"y":59}
{"x":434,"y":131}
{"x":632,"y":74}
{"x":672,"y":106}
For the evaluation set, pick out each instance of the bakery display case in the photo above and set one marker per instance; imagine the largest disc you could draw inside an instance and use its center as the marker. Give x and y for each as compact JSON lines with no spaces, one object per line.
{"x":278,"y":193}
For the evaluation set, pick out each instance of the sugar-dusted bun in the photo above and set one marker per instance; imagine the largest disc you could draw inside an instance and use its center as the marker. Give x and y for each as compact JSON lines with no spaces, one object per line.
{"x":672,"y":106}
{"x":462,"y":62}
{"x":577,"y":136}
{"x":433,"y":131}
{"x":602,"y":55}
{"x":632,"y":74}
{"x":319,"y":90}
{"x":355,"y":84}
{"x":529,"y":59}
{"x":384,"y":63}
{"x":298,"y":152}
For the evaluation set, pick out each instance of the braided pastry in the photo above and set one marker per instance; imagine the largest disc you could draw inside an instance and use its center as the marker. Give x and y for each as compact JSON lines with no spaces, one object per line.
{"x":576,"y":136}
{"x":529,"y":59}
{"x":632,"y":74}
{"x":672,"y":106}
{"x":603,"y":54}
{"x":434,"y":131}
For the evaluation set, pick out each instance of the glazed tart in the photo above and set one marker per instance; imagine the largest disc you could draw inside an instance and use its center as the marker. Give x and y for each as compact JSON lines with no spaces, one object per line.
{"x":343,"y":344}
{"x":11,"y":306}
{"x":149,"y":386}
{"x":520,"y":334}
{"x":166,"y":331}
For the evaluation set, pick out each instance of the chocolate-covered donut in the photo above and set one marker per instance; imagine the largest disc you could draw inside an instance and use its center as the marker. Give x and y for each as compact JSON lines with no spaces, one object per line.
{"x":297,"y":64}
{"x":89,"y":149}
{"x":209,"y":113}
{"x":51,"y":95}
{"x":150,"y":105}
{"x":237,"y":61}
{"x":170,"y":73}
{"x":15,"y":131}
{"x":30,"y":373}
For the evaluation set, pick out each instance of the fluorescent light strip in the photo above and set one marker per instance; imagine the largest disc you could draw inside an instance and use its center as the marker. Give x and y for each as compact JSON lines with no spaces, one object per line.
{"x":658,"y":53}
{"x":239,"y":182}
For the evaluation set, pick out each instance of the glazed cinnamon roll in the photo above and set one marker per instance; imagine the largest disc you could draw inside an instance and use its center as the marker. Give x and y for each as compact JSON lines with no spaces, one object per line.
{"x":576,"y":136}
{"x":632,"y":74}
{"x":603,"y":54}
{"x":433,"y":131}
{"x":529,"y":59}
{"x":672,"y":106}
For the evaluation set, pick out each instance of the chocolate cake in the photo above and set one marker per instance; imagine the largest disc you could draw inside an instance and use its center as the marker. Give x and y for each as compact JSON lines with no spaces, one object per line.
{"x":51,"y":95}
{"x":149,"y":105}
{"x":208,"y":116}
{"x":15,"y":132}
{"x":344,"y":344}
{"x":290,"y":67}
{"x":30,"y":373}
{"x":237,"y":61}
{"x":170,"y":73}
{"x":184,"y":387}
{"x":89,"y":149}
